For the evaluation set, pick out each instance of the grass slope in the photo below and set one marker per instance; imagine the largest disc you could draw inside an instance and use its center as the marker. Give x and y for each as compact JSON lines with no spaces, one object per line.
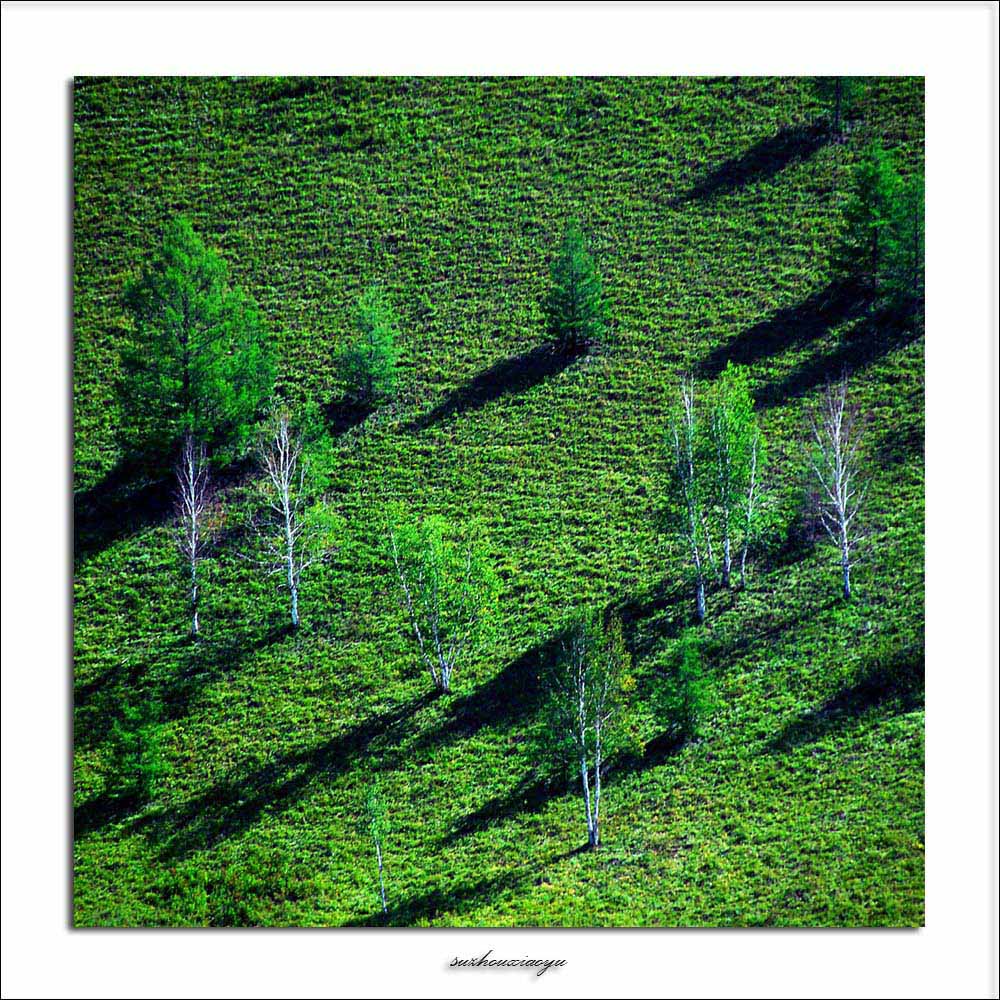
{"x":710,"y":205}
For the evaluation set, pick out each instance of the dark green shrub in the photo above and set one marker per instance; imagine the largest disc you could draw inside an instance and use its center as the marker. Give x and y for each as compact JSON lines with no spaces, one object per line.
{"x":685,"y":695}
{"x":367,"y":365}
{"x":139,"y":765}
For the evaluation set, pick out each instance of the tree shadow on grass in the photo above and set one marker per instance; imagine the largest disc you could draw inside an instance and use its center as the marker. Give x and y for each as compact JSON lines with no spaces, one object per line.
{"x":762,"y":161}
{"x":127,"y":500}
{"x":242,"y":798}
{"x":343,"y":415}
{"x":535,"y":790}
{"x":894,"y":684}
{"x":869,"y":340}
{"x":505,"y":378}
{"x":136,"y":494}
{"x":457,"y":900}
{"x":507,"y":699}
{"x":192,"y":666}
{"x":793,"y":326}
{"x":661,"y":613}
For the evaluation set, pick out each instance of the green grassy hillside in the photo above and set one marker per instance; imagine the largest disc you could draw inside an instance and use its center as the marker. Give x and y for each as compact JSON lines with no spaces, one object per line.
{"x":710,"y":206}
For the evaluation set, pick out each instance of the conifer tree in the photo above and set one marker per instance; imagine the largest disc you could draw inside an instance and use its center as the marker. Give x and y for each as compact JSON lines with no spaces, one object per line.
{"x":841,"y":95}
{"x":199,"y":361}
{"x":368,"y":363}
{"x":575,"y":309}
{"x":865,"y":249}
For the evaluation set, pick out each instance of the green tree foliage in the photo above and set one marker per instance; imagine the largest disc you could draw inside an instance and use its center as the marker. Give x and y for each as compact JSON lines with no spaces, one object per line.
{"x":575,"y":310}
{"x":905,"y":285}
{"x":587,"y":717}
{"x":294,"y":529}
{"x":868,"y":218}
{"x":841,"y":95}
{"x":138,"y":763}
{"x":738,"y":457}
{"x":378,"y":828}
{"x":689,"y":487}
{"x":882,"y":239}
{"x":367,"y":365}
{"x":449,"y":590}
{"x":199,"y":360}
{"x":684,"y":694}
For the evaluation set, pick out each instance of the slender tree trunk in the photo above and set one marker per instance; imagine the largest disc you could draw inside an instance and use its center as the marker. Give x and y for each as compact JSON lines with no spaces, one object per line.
{"x":381,"y":881}
{"x":586,"y":800}
{"x":699,"y":598}
{"x":293,"y":585}
{"x":845,"y":564}
{"x":194,"y":598}
{"x":743,"y":567}
{"x":838,"y":89}
{"x":596,"y":842}
{"x":727,"y":562}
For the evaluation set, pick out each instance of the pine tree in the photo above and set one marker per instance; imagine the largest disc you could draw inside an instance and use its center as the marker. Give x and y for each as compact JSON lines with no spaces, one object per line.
{"x":865,"y":248}
{"x":575,"y":309}
{"x":368,"y":363}
{"x":905,"y":251}
{"x":841,"y":95}
{"x":199,"y":361}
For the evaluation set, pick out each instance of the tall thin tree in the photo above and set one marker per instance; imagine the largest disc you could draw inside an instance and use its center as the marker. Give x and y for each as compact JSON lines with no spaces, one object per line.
{"x":377,"y":817}
{"x":835,"y":460}
{"x":736,"y":454}
{"x":280,"y":456}
{"x":687,"y":487}
{"x":586,"y":712}
{"x":193,"y":498}
{"x":751,"y":501}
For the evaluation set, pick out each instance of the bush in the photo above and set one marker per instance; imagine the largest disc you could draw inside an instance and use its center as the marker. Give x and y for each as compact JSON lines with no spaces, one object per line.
{"x":685,"y":695}
{"x":367,"y":365}
{"x":137,"y":750}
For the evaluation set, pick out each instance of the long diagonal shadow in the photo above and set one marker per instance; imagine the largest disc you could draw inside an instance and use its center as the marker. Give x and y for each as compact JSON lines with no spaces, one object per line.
{"x":762,"y":161}
{"x":896,"y":683}
{"x":792,"y":326}
{"x":504,"y":378}
{"x":460,"y":898}
{"x":874,"y":337}
{"x":129,"y":499}
{"x":239,"y":801}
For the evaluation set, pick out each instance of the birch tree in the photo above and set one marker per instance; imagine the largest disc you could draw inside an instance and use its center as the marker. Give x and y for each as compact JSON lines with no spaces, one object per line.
{"x":377,"y":819}
{"x":193,"y":500}
{"x":687,"y":488}
{"x":586,"y":712}
{"x":837,"y":432}
{"x":280,"y":457}
{"x":737,"y":455}
{"x":751,"y":500}
{"x":448,"y":589}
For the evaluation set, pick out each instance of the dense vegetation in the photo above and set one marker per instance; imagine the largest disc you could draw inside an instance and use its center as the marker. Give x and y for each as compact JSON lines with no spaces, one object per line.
{"x":228,"y":779}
